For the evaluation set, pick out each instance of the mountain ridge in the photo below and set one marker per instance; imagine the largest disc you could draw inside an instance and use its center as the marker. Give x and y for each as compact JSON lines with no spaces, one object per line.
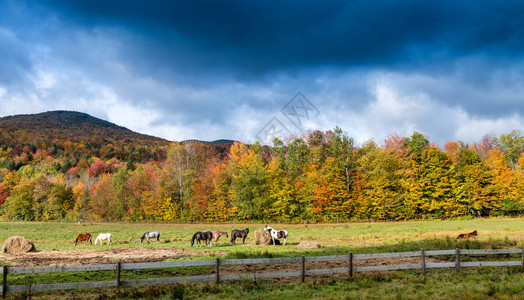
{"x":71,"y":123}
{"x":68,"y":124}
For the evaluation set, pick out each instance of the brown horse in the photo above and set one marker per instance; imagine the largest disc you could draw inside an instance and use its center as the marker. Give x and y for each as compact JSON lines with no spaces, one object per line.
{"x":83,"y":237}
{"x":217,"y":234}
{"x":467,"y":235}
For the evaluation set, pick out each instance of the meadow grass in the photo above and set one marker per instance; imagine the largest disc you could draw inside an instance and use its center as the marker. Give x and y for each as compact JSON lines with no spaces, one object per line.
{"x":335,"y":239}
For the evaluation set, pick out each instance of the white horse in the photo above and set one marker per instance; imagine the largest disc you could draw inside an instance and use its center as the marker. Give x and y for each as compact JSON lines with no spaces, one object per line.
{"x":150,"y":235}
{"x":275,"y":235}
{"x":104,"y":236}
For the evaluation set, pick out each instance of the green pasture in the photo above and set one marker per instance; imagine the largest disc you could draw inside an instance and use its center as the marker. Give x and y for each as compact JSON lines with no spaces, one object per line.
{"x":335,"y":238}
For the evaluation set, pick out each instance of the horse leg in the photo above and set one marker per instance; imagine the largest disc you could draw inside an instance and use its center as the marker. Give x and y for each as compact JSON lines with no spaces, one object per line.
{"x":285,"y":240}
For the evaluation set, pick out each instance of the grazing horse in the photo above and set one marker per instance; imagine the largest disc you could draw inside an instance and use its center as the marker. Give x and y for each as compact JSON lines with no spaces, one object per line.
{"x":217,"y":234}
{"x":150,"y":235}
{"x":104,"y":236}
{"x":83,"y":237}
{"x":240,"y":234}
{"x":276,"y":234}
{"x":199,"y":236}
{"x":467,"y":235}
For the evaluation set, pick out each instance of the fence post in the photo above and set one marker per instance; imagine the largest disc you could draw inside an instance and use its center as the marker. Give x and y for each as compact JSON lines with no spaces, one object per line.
{"x":350,"y":268}
{"x":302,"y":268}
{"x":457,"y":259}
{"x":4,"y":281}
{"x":522,"y":263}
{"x":422,"y":255}
{"x":118,"y":267}
{"x":217,"y":270}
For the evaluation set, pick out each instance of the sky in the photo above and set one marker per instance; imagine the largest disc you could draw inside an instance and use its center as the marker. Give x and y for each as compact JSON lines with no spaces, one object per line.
{"x":254,"y":70}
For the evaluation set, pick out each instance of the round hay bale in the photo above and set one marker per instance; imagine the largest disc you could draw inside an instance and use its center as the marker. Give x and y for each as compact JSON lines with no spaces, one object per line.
{"x":18,"y":245}
{"x":308,"y":245}
{"x":262,"y":237}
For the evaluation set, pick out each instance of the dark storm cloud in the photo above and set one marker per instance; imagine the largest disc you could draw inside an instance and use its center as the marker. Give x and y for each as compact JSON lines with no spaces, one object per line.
{"x":215,"y":69}
{"x":254,"y":37}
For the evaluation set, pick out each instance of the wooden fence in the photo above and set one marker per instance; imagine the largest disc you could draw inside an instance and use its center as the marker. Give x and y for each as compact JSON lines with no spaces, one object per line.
{"x":301,"y":271}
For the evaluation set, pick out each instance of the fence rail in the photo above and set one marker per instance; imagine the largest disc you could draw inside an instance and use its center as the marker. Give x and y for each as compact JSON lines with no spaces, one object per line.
{"x":302,"y":272}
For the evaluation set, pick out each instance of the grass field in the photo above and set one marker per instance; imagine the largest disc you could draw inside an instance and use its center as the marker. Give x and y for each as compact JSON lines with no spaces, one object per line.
{"x":507,"y":283}
{"x":355,"y":237}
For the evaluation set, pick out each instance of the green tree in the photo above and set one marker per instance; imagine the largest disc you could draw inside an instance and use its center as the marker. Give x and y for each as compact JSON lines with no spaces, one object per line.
{"x":249,"y":186}
{"x":20,"y":204}
{"x":60,"y":201}
{"x":344,"y":154}
{"x":512,"y":145}
{"x":432,"y":186}
{"x":297,"y":157}
{"x":417,"y":143}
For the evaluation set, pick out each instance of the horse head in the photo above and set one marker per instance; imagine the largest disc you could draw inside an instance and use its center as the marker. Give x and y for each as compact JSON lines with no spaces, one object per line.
{"x":143,"y":237}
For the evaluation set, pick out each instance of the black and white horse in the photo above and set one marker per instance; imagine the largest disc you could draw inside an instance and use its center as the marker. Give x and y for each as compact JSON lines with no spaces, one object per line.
{"x":240,"y":234}
{"x":276,"y":234}
{"x":206,"y":236}
{"x":150,"y":235}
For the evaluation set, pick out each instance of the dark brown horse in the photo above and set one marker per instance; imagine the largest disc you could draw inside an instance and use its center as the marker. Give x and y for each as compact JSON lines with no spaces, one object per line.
{"x":240,"y":234}
{"x":83,"y":237}
{"x":199,"y":236}
{"x":467,"y":235}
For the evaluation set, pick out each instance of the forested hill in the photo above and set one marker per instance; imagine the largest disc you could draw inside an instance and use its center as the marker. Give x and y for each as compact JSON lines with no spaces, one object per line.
{"x":70,"y":166}
{"x":65,"y":124}
{"x":215,"y":142}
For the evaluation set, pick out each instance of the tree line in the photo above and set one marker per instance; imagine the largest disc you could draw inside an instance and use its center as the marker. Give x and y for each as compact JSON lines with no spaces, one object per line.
{"x":320,"y":176}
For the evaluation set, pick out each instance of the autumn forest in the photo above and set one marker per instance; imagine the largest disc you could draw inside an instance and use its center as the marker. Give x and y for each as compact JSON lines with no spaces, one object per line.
{"x":317,"y":177}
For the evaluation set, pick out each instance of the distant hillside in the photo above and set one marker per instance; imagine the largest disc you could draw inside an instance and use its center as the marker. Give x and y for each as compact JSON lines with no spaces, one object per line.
{"x":71,"y":124}
{"x":217,"y":142}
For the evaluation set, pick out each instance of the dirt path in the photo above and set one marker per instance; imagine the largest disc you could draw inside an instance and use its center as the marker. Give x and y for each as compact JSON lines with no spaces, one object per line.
{"x":95,"y":256}
{"x":239,"y":269}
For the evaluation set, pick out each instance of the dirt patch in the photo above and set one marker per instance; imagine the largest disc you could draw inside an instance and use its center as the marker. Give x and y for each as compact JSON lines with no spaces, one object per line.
{"x":308,"y":245}
{"x":263,"y":268}
{"x":95,"y":256}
